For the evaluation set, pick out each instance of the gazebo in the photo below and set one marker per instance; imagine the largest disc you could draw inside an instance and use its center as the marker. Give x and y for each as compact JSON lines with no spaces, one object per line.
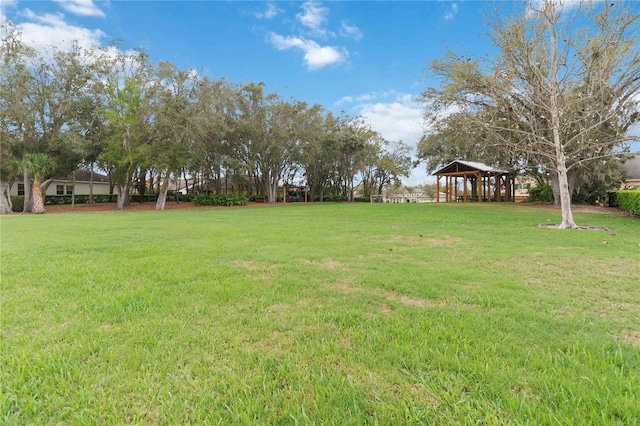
{"x":479,"y":182}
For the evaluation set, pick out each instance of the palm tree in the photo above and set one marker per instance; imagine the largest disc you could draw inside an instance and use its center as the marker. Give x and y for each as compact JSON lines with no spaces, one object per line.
{"x":39,"y":165}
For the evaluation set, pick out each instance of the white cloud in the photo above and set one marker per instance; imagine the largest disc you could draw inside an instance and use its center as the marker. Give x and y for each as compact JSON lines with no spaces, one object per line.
{"x":400,"y":119}
{"x":80,"y":7}
{"x":344,"y":100}
{"x":350,"y":31}
{"x":396,"y":116}
{"x":271,"y":12}
{"x":315,"y":56}
{"x":51,"y":29}
{"x":453,"y":10}
{"x":4,"y":5}
{"x":314,"y":16}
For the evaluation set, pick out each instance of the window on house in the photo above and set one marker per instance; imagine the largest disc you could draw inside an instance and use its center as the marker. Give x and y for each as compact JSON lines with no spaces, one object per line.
{"x":59,"y":189}
{"x":69,"y":189}
{"x":21,"y":189}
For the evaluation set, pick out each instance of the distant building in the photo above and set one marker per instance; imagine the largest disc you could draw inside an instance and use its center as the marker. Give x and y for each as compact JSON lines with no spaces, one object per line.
{"x":631,"y":171}
{"x":65,"y":185}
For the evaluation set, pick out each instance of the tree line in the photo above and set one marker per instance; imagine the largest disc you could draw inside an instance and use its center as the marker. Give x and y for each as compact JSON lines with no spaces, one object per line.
{"x":145,"y":122}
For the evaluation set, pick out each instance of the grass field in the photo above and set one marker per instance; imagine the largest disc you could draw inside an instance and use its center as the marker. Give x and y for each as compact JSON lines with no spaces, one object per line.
{"x":320,"y":314}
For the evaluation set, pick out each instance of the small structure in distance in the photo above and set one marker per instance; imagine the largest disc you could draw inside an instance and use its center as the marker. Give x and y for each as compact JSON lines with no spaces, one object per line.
{"x":479,"y":182}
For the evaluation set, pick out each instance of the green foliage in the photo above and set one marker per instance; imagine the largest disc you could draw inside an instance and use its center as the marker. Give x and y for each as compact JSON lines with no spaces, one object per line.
{"x":362,"y":199}
{"x":186,"y":197}
{"x":17,"y":203}
{"x":335,"y":198}
{"x":59,"y":199}
{"x":629,"y":201}
{"x":137,"y":198}
{"x":542,"y":193}
{"x":220,"y":199}
{"x":612,"y":198}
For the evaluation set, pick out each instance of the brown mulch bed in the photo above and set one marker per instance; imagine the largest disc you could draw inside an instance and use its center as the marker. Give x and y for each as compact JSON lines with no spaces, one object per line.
{"x":134,"y":207}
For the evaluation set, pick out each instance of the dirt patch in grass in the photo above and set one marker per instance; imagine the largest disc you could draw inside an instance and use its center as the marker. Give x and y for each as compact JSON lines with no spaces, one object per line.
{"x":420,"y":239}
{"x":387,"y":295}
{"x":325,"y":263}
{"x":631,"y":337}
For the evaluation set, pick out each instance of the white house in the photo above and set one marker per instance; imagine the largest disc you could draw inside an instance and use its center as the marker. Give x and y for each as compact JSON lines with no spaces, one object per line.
{"x":65,"y":185}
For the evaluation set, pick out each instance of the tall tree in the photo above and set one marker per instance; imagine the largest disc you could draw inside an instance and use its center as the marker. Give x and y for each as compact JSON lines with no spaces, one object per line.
{"x":215,"y":117}
{"x":128,"y":114}
{"x":41,"y":97}
{"x":354,"y":143}
{"x":38,"y":165}
{"x":561,"y":92}
{"x":317,"y":152}
{"x":173,"y":124}
{"x":16,"y":113}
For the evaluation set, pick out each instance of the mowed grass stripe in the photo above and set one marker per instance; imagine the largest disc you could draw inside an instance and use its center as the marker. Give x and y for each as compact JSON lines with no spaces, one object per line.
{"x":322,"y":314}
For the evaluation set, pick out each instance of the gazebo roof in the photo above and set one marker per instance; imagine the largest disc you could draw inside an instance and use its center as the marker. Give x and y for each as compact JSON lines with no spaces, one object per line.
{"x":458,"y":166}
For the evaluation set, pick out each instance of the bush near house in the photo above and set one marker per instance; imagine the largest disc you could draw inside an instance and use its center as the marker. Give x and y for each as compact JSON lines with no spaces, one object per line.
{"x":52,"y":200}
{"x":17,"y":203}
{"x":541,"y":193}
{"x":628,"y":200}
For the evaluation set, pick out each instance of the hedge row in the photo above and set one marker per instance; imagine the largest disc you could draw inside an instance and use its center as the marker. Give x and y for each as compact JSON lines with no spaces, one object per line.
{"x":627,"y":200}
{"x":17,"y":201}
{"x":220,"y":199}
{"x":51,"y":200}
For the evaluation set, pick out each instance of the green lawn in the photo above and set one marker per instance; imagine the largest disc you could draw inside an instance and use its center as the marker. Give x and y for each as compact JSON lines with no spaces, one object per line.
{"x":320,"y":314}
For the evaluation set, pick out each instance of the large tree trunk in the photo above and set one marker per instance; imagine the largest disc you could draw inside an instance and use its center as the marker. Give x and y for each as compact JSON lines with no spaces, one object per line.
{"x":5,"y":200}
{"x":28,"y":202}
{"x":272,"y":190}
{"x":563,"y":183}
{"x":38,"y":199}
{"x":73,"y":192}
{"x":162,"y":193}
{"x":572,"y":177}
{"x":91,"y":186}
{"x":123,"y":196}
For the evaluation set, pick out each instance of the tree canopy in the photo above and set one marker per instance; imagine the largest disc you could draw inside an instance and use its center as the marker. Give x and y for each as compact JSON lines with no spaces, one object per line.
{"x":560,"y":94}
{"x":147,"y":123}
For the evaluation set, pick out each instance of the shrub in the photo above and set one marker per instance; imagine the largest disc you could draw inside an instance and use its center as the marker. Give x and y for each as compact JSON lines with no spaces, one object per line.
{"x":137,"y":198}
{"x":362,"y":199}
{"x":220,"y":199}
{"x":52,"y":200}
{"x":104,"y":198}
{"x":186,"y":197}
{"x":612,"y":199}
{"x":629,"y":201}
{"x":17,"y":203}
{"x":542,"y":193}
{"x":329,"y":197}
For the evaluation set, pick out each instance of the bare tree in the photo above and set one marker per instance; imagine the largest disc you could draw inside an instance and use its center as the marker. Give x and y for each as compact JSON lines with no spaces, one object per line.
{"x":561,"y":92}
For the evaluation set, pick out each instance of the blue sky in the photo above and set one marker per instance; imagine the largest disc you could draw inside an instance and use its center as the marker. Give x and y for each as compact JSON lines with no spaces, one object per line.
{"x":362,"y":57}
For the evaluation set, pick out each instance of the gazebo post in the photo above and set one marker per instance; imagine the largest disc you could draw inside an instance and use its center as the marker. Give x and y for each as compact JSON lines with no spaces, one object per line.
{"x":465,"y":187}
{"x":437,"y":188}
{"x":455,"y":187}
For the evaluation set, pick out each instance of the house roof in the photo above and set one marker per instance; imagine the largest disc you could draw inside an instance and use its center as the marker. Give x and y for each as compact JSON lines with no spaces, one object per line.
{"x":85,"y":176}
{"x":468,"y":166}
{"x":631,"y":167}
